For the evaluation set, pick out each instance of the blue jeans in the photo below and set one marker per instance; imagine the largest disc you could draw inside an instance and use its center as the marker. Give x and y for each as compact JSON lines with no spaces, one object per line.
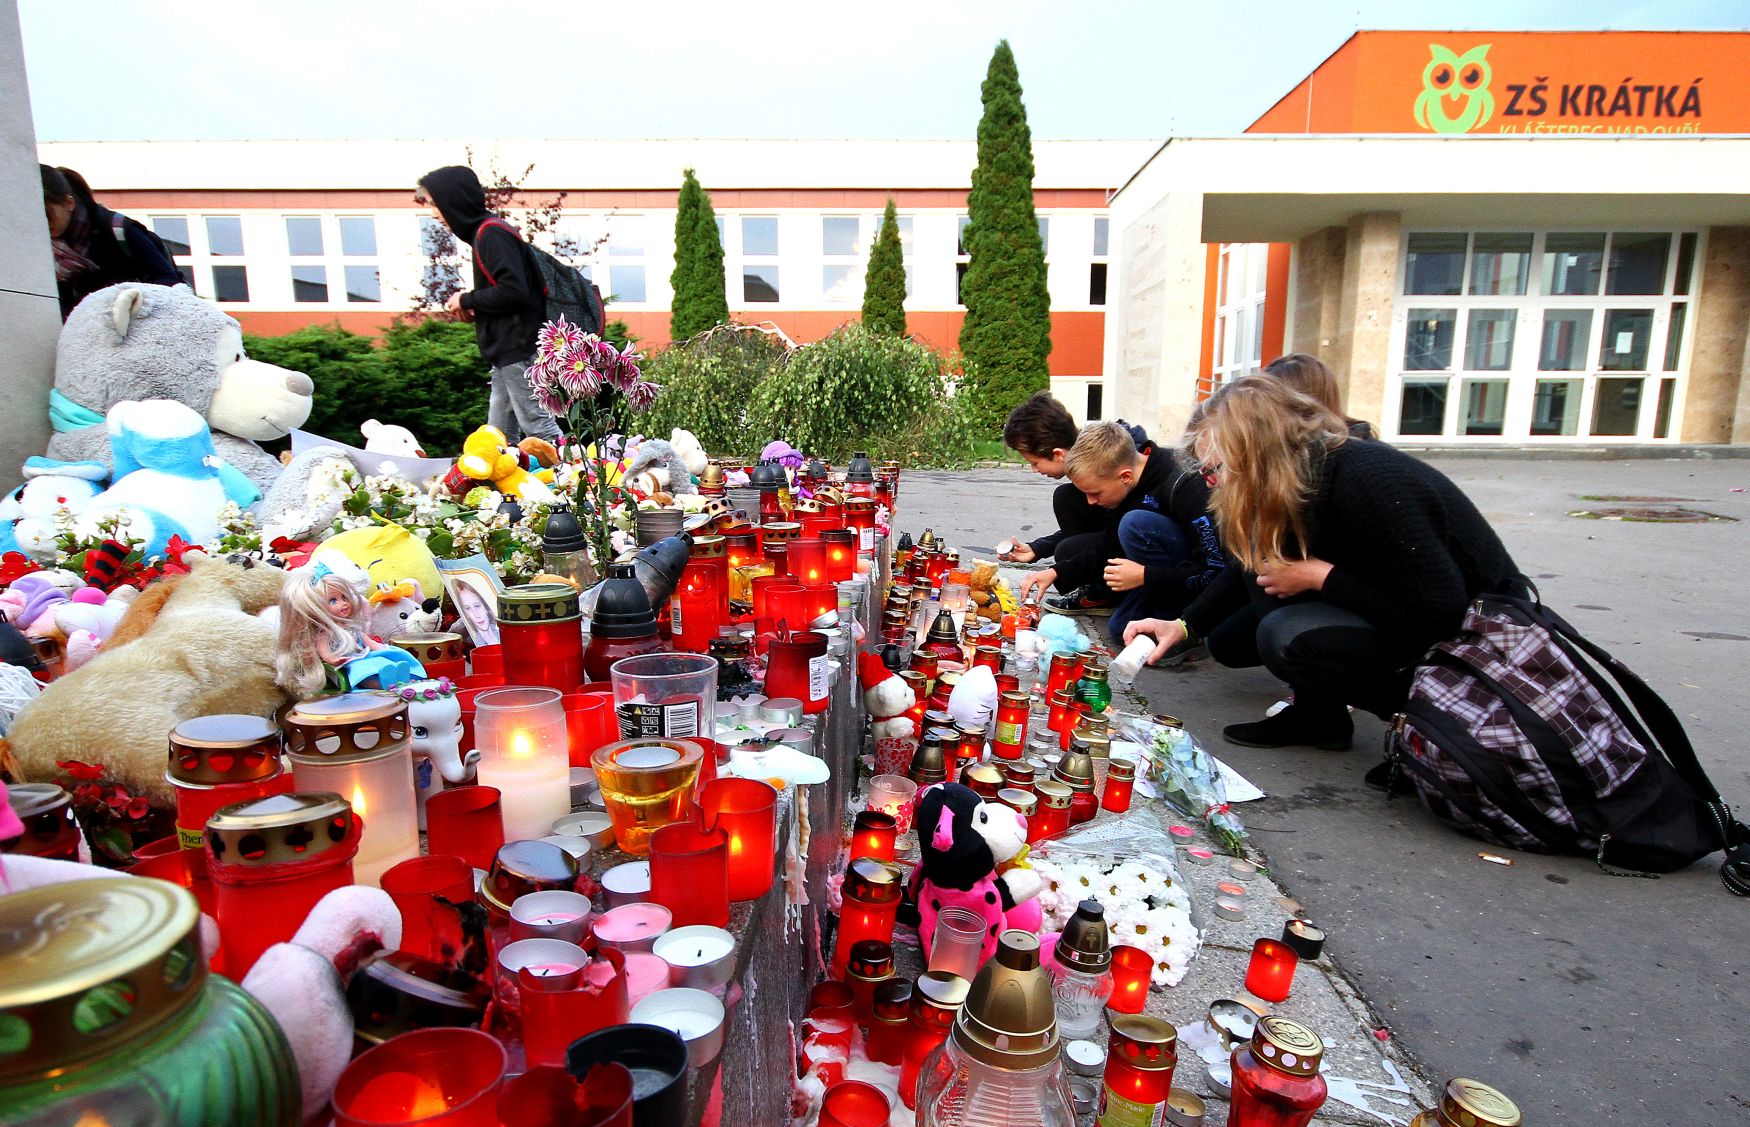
{"x":1149,"y":538}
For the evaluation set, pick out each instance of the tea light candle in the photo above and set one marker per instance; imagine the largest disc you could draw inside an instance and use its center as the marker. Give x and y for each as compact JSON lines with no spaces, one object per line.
{"x":699,"y":956}
{"x":1230,"y":909}
{"x":1182,"y":834}
{"x":1198,"y":855}
{"x":550,"y":915}
{"x":785,"y":712}
{"x":625,"y":884}
{"x":597,"y":829}
{"x":693,"y":1014}
{"x":1231,"y":890}
{"x":1086,"y":1058}
{"x":1132,"y":967}
{"x":583,"y":785}
{"x":1241,"y":869}
{"x":542,"y":958}
{"x":632,"y":927}
{"x":576,"y":846}
{"x":1270,"y":974}
{"x":1303,"y":939}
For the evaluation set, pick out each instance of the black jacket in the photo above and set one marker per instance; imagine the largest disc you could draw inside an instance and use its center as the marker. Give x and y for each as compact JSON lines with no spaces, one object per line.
{"x":506,"y":301}
{"x":1046,"y":546}
{"x":140,"y":260}
{"x":1169,"y":489}
{"x":1409,"y":551}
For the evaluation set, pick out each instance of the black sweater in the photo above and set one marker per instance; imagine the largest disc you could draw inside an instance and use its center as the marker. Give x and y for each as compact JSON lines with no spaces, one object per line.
{"x":506,"y":301}
{"x":1046,"y":546}
{"x":1409,"y":551}
{"x":1167,"y":488}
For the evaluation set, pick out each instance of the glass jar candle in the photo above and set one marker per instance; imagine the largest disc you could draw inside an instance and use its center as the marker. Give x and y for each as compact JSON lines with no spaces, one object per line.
{"x":982,"y":779}
{"x":1081,"y":972}
{"x":465,"y":822}
{"x":1470,"y":1103}
{"x":1120,"y":782}
{"x":441,"y":653}
{"x":871,"y":895}
{"x":808,"y":559}
{"x":745,"y":810}
{"x":1062,"y":716}
{"x":646,"y":784}
{"x":437,"y":1077}
{"x":1063,"y":672}
{"x":541,"y":630}
{"x":936,"y":999}
{"x":711,"y":552}
{"x":927,"y":663}
{"x":428,"y":892}
{"x":1140,"y":1058}
{"x":520,"y":733}
{"x":860,"y":517}
{"x":666,"y":695}
{"x":270,"y":860}
{"x":870,"y":964}
{"x":1093,"y":689}
{"x":689,"y":873}
{"x":841,"y":553}
{"x":797,"y":666}
{"x":853,"y":1103}
{"x":518,"y":869}
{"x":888,"y":1022}
{"x":1270,"y":973}
{"x":623,"y":623}
{"x":988,"y":656}
{"x":893,"y":795}
{"x":1052,"y":817}
{"x":110,"y":1015}
{"x":969,"y":744}
{"x":1132,"y":971}
{"x":1022,"y":802}
{"x":359,"y":746}
{"x":1019,"y":774}
{"x":1011,"y":730}
{"x":50,"y":830}
{"x":873,"y":834}
{"x":1276,"y":1081}
{"x":741,"y":549}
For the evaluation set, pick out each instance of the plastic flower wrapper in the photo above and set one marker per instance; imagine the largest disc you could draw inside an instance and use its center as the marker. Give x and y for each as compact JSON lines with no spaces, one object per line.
{"x":1181,"y":772}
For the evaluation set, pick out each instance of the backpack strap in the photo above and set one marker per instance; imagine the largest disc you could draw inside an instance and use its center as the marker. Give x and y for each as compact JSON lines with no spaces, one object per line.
{"x":492,"y":221}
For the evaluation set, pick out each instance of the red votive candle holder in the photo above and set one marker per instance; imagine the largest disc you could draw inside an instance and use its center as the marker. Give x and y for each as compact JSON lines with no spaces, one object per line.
{"x":1120,"y":783}
{"x":447,"y":1077}
{"x":547,"y":1096}
{"x":590,"y":722}
{"x":689,"y":873}
{"x":185,"y":868}
{"x":219,"y":760}
{"x":822,"y":599}
{"x":873,"y":835}
{"x":541,"y":632}
{"x":808,"y":560}
{"x":1270,"y":974}
{"x":887,"y":1026}
{"x":695,"y":610}
{"x":561,"y":1004}
{"x":745,"y":810}
{"x":428,"y":891}
{"x":271,"y":859}
{"x":1132,"y":968}
{"x":1063,"y":673}
{"x":988,"y":656}
{"x":935,"y":1001}
{"x":467,"y":822}
{"x":841,"y":554}
{"x":852,"y":1103}
{"x":487,"y":660}
{"x":1010,"y":737}
{"x":787,"y":606}
{"x":860,"y":516}
{"x":928,"y":664}
{"x":1141,"y":1055}
{"x":1051,"y":816}
{"x":870,"y":904}
{"x":798,"y":667}
{"x":870,"y":965}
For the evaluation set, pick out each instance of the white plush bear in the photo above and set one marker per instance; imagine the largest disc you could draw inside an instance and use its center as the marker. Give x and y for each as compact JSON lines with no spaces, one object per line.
{"x":691,"y":455}
{"x":168,"y":480}
{"x":135,"y":342}
{"x":50,"y":487}
{"x":387,"y":438}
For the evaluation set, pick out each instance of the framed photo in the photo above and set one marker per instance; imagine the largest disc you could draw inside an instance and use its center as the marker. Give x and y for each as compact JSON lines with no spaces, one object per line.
{"x":473,"y":586}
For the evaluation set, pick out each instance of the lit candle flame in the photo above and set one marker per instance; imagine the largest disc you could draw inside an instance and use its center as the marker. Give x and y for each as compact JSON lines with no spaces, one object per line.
{"x":358,"y":800}
{"x":520,"y":745}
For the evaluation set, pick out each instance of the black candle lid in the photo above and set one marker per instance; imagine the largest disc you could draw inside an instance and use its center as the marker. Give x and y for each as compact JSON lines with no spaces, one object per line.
{"x":622,"y":609}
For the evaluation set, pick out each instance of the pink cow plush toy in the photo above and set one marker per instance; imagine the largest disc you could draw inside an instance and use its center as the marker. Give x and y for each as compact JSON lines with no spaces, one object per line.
{"x":963,"y":840}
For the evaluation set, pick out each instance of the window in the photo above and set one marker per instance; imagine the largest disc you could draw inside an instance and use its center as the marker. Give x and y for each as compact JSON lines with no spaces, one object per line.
{"x":1500,"y":264}
{"x":1628,"y":333}
{"x":224,"y":236}
{"x":759,"y":283}
{"x":1662,"y":417}
{"x":626,"y":237}
{"x":1435,"y":265}
{"x":309,"y":283}
{"x":1567,"y":334}
{"x":358,"y":235}
{"x":759,"y":235}
{"x":1488,"y":340}
{"x":1616,"y":408}
{"x":626,"y":283}
{"x":1485,"y":406}
{"x":841,"y":284}
{"x":1637,"y":263}
{"x":1102,"y":234}
{"x":303,"y":236}
{"x":1239,"y":310}
{"x":962,"y":257}
{"x":363,"y":284}
{"x":1685,"y":262}
{"x":962,"y":223}
{"x":1096,"y":402}
{"x":1044,"y":234}
{"x":1428,"y":340}
{"x":1424,"y":406}
{"x":1097,"y":283}
{"x":1674,"y":335}
{"x":231,"y":283}
{"x":838,"y":235}
{"x":173,"y":229}
{"x":960,"y":282}
{"x":1572,"y":264}
{"x":1555,"y":407}
{"x":434,"y":237}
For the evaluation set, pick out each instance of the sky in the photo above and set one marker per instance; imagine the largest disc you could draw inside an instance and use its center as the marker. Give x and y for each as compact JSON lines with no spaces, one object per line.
{"x":229,"y":69}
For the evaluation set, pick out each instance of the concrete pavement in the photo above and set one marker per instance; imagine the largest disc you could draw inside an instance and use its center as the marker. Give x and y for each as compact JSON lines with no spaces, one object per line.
{"x":1588,"y":998}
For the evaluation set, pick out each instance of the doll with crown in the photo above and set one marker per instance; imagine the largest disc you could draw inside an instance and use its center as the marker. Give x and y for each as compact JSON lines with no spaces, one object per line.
{"x":323,"y":639}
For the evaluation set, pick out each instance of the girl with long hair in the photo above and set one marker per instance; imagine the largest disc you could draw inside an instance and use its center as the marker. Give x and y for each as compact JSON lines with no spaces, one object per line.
{"x":1354,"y":556}
{"x":1309,"y":376}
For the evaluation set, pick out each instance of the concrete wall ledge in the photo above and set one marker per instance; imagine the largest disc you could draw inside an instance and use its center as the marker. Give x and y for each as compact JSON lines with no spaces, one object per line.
{"x":1689,"y":451}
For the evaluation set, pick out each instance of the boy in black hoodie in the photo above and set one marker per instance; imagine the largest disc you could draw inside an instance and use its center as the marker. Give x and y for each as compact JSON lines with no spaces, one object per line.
{"x":1164,"y":549}
{"x":506,"y":303}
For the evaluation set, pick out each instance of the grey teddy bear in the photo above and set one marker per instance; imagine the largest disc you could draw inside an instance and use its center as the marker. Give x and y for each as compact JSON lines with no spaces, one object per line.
{"x":138,"y":341}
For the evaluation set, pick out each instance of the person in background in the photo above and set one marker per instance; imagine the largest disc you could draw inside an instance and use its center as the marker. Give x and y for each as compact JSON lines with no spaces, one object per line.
{"x":95,"y":247}
{"x":1042,"y":431}
{"x":1161,"y":545}
{"x":507,"y":304}
{"x":1309,"y":376}
{"x":1356,"y":556}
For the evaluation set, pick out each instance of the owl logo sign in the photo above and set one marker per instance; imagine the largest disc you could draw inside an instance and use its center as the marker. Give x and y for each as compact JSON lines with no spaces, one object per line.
{"x":1453,"y":82}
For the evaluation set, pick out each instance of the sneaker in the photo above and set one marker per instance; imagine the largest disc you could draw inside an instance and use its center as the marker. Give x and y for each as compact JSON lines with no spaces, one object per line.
{"x":1077,"y":601}
{"x":1186,"y":649}
{"x":1295,"y":727}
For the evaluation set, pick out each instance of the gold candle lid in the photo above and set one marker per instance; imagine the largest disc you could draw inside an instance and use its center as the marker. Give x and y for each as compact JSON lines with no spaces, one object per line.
{"x":874,"y":881}
{"x":1471,"y":1103}
{"x":1123,"y":770}
{"x":1020,"y":801}
{"x":1287,"y":1046}
{"x":1094,"y":723}
{"x":522,"y":867}
{"x":712,"y":478}
{"x":780,"y":531}
{"x":281,"y":829}
{"x":710,"y":548}
{"x":984,"y":774}
{"x":1076,"y":768}
{"x":938,"y":718}
{"x":859,"y":505}
{"x":916,"y":682}
{"x":438,"y":645}
{"x":870,"y":960}
{"x":1053,"y":795}
{"x":1097,"y":744}
{"x":1017,"y":771}
{"x":1009,"y":1020}
{"x":538,"y":602}
{"x":346,"y":726}
{"x":90,"y":964}
{"x":223,"y":748}
{"x":1156,"y":1041}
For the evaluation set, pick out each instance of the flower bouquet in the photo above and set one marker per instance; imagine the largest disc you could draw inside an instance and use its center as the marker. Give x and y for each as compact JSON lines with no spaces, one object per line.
{"x":1145,"y":905}
{"x":1187,"y":777}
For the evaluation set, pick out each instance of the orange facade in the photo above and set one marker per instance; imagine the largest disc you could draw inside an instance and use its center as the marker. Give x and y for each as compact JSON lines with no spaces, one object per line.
{"x":1538,"y":82}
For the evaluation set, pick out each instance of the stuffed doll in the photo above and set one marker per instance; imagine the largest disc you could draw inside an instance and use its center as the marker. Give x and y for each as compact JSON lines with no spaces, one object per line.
{"x":888,"y":698}
{"x":488,"y":456}
{"x":963,"y":839}
{"x":435,"y":716}
{"x":322,"y":632}
{"x":973,"y":703}
{"x":400,"y":608}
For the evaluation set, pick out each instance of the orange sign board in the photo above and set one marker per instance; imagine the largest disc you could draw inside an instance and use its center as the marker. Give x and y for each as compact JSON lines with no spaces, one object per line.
{"x":1534,"y":82}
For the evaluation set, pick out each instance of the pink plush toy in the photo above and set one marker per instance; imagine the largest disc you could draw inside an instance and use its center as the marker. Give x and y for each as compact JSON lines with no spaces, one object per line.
{"x":964,"y":840}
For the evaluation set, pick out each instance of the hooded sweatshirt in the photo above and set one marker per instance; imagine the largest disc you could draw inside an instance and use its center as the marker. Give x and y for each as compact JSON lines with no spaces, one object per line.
{"x":506,"y":301}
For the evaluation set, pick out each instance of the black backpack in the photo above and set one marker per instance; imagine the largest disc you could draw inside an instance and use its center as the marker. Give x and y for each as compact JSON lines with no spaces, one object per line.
{"x":567,"y":292}
{"x":1515,"y":735}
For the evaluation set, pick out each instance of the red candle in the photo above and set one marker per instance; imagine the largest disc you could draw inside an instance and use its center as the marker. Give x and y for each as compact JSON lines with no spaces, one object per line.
{"x":1132,"y":968}
{"x":786,"y":606}
{"x":689,"y":873}
{"x":557,"y":1009}
{"x":887,"y":1025}
{"x":860,"y":516}
{"x":1120,"y":782}
{"x":1276,"y":1081}
{"x":870,"y":904}
{"x":744,"y":809}
{"x":1051,"y":817}
{"x":541,"y":632}
{"x":1270,"y":974}
{"x":447,"y":1077}
{"x":1065,"y":670}
{"x":589,"y":723}
{"x":712,"y":553}
{"x":741,"y":547}
{"x":220,"y":760}
{"x":694,"y":610}
{"x":935,"y":1001}
{"x":798,"y":667}
{"x":969,"y":747}
{"x":1011,"y":729}
{"x":466,"y":822}
{"x":271,"y":860}
{"x":853,"y":1103}
{"x":871,"y":964}
{"x":486,"y":661}
{"x":428,"y":892}
{"x":185,"y":868}
{"x":1062,"y":714}
{"x":841,"y":554}
{"x":990,"y":657}
{"x":1082,"y":807}
{"x":822,"y":598}
{"x":1141,"y":1056}
{"x":873,"y":835}
{"x":929,"y":664}
{"x":807,"y":559}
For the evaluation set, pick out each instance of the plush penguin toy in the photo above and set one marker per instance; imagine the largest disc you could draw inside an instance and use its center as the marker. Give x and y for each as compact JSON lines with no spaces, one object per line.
{"x":964,"y":840}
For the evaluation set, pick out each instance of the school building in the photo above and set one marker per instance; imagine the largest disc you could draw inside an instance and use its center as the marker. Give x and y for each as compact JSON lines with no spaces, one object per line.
{"x":1512,"y":238}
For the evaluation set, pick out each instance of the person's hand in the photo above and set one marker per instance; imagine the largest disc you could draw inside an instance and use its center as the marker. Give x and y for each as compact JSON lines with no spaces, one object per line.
{"x":1018,"y":553}
{"x":1040,"y":581}
{"x":454,"y":305}
{"x":1166,"y":635}
{"x":1290,"y":578}
{"x":1123,"y":575}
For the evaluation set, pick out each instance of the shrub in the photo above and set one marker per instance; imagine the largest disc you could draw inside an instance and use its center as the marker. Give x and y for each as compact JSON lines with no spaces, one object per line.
{"x":707,"y":383}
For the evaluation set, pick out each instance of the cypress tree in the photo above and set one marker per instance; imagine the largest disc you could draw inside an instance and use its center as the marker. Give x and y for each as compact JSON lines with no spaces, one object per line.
{"x":1007,"y":334}
{"x":884,"y":280}
{"x":700,"y":299}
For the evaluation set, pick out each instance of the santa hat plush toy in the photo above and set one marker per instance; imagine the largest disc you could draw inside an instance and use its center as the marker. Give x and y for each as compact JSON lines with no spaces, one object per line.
{"x":886,"y":696}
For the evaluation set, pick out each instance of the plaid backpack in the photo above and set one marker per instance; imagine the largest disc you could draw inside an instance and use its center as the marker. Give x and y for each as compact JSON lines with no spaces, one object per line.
{"x":1513,"y":734}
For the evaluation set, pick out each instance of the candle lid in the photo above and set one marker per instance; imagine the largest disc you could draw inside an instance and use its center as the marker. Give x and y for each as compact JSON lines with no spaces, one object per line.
{"x":892,"y":1001}
{"x":1009,"y":1020}
{"x":870,"y":960}
{"x":1471,"y":1103}
{"x":1053,"y":795}
{"x":939,"y":990}
{"x":1147,"y":1043}
{"x":538,"y":602}
{"x":1287,"y":1046}
{"x":1121,"y":770}
{"x":437,"y":645}
{"x":983,"y":774}
{"x":712,"y":478}
{"x":31,"y":800}
{"x":1093,"y":722}
{"x":223,"y":748}
{"x":522,"y":867}
{"x":1018,"y":772}
{"x":709,"y":548}
{"x":1022,"y":802}
{"x":1169,"y":721}
{"x":1094,"y":671}
{"x":396,"y":992}
{"x":1076,"y":769}
{"x":1084,"y":944}
{"x":281,"y":829}
{"x":89,"y":964}
{"x":872,"y":880}
{"x":343,"y":727}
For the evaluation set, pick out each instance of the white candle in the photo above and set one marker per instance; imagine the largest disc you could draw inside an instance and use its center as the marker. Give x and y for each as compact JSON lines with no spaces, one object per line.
{"x":521,"y":733}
